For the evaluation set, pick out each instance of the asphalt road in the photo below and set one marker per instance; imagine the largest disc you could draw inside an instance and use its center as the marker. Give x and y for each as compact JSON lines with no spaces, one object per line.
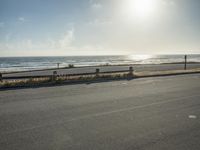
{"x":138,"y":68}
{"x":142,"y":114}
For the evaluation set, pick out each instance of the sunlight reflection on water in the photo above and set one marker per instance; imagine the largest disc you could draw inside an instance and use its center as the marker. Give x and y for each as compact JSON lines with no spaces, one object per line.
{"x":140,"y":57}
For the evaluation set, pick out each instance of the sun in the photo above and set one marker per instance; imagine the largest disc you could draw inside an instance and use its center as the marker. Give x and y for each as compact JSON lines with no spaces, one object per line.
{"x":140,"y":8}
{"x":144,"y":7}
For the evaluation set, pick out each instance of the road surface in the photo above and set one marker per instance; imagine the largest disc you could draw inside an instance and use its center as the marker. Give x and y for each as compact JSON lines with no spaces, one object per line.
{"x":137,"y":68}
{"x":154,"y":113}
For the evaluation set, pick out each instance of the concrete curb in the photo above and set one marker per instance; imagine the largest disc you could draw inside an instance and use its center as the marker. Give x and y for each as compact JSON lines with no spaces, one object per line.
{"x":166,"y":74}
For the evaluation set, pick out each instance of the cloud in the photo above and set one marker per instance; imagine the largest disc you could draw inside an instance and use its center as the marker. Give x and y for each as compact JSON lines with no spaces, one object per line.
{"x":67,"y":39}
{"x":98,"y":22}
{"x":27,"y":43}
{"x":8,"y":36}
{"x":21,"y":19}
{"x":63,"y":42}
{"x":51,"y":47}
{"x":22,"y":44}
{"x":95,"y":5}
{"x":2,"y":24}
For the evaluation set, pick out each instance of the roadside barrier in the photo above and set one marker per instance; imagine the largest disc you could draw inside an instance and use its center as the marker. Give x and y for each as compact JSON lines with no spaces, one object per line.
{"x":55,"y":74}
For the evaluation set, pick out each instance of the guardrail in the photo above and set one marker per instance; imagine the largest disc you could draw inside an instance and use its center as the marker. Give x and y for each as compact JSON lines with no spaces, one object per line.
{"x":55,"y":74}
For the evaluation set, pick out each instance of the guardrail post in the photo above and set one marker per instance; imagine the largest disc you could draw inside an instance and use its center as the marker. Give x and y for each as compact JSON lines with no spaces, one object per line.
{"x":54,"y":75}
{"x":131,"y":71}
{"x":97,"y":72}
{"x":1,"y":78}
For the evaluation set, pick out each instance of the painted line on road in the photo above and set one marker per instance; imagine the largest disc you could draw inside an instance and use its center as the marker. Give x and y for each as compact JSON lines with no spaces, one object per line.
{"x":192,"y":117}
{"x":100,"y":114}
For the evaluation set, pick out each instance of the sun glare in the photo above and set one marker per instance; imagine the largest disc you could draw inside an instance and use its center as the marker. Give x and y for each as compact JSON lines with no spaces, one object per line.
{"x":140,"y":57}
{"x":140,"y":8}
{"x":144,"y":7}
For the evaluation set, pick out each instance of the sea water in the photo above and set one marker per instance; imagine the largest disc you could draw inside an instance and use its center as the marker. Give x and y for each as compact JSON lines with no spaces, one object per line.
{"x":35,"y":63}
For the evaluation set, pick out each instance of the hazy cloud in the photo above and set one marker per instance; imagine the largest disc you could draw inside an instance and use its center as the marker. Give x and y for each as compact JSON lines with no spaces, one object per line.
{"x":67,"y":39}
{"x":19,"y":45}
{"x":63,"y":42}
{"x":98,"y":22}
{"x":8,"y":36}
{"x":21,"y":19}
{"x":2,"y":24}
{"x":95,"y":4}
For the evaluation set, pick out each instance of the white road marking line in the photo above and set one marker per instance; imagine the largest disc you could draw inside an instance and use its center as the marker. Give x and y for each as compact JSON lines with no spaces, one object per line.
{"x":124,"y":83}
{"x":192,"y":117}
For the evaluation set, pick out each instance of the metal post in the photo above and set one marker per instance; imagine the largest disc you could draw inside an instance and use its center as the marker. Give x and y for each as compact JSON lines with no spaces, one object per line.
{"x":58,"y":64}
{"x":97,"y":72}
{"x":185,"y":66}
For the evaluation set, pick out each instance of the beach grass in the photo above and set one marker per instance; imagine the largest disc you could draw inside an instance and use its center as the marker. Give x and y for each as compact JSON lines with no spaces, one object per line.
{"x":56,"y":80}
{"x":24,"y":82}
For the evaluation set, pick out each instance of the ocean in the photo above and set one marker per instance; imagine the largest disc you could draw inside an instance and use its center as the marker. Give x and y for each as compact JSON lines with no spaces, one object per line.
{"x":35,"y":63}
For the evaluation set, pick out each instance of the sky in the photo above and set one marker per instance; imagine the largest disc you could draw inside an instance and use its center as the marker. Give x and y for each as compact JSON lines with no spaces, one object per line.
{"x":99,"y":27}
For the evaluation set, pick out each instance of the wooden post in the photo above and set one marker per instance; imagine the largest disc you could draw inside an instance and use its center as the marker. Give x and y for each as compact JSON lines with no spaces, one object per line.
{"x":185,"y":66}
{"x":54,"y":75}
{"x":131,"y":70}
{"x":97,"y":72}
{"x":1,"y":78}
